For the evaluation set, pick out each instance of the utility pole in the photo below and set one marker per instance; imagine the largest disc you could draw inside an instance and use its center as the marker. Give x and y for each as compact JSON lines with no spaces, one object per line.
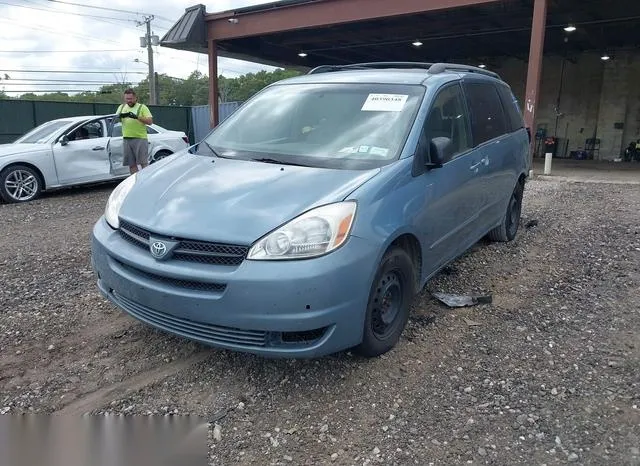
{"x":148,"y":41}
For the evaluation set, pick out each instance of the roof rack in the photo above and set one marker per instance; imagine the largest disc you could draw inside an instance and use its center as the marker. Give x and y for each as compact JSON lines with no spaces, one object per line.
{"x":371,"y":65}
{"x":432,"y":68}
{"x":442,"y":67}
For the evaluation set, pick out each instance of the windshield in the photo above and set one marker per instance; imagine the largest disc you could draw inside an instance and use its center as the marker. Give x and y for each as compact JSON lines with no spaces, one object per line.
{"x":42,"y":133}
{"x":323,"y":125}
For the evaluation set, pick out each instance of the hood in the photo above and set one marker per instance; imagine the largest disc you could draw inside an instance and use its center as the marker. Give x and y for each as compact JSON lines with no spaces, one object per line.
{"x":231,"y":201}
{"x":15,"y":149}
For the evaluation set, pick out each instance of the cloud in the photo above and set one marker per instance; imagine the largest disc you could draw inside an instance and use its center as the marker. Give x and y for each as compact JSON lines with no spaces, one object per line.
{"x":38,"y":37}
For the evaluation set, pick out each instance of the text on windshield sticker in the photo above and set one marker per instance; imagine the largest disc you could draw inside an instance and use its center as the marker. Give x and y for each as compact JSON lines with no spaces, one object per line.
{"x":384,"y":103}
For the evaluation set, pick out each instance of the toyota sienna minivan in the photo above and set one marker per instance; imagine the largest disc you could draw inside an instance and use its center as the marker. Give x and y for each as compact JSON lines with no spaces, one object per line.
{"x":307,"y":221}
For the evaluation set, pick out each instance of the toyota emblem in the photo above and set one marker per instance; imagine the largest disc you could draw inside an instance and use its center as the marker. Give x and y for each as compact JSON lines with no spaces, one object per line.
{"x":158,"y":249}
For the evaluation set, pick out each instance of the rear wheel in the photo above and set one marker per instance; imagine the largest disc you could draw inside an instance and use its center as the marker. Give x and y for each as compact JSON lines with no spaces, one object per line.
{"x":508,"y":229}
{"x":19,"y":183}
{"x":388,"y":306}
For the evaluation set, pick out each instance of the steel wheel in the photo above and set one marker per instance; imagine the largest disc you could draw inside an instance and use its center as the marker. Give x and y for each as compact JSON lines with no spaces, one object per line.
{"x":387,"y":303}
{"x":19,"y":184}
{"x":513,"y":216}
{"x":508,"y":228}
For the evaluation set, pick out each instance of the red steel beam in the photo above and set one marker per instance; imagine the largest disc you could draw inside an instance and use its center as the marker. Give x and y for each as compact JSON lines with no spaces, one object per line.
{"x":320,"y":13}
{"x":534,"y":72}
{"x":214,"y":117}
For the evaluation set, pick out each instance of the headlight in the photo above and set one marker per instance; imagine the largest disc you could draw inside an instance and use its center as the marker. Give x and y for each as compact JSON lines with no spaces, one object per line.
{"x":116,"y":199}
{"x":312,"y":234}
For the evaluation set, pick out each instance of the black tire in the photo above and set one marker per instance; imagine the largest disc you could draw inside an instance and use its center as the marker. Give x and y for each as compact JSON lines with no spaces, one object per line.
{"x":159,"y":155}
{"x":19,"y":183}
{"x":508,"y":229}
{"x":393,"y":287}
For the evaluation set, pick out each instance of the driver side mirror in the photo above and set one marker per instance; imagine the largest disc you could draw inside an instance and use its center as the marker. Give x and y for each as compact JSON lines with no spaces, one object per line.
{"x":440,"y":151}
{"x":64,"y":140}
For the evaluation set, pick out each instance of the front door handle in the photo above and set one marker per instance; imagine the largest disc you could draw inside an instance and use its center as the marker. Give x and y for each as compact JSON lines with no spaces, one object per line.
{"x":98,"y":148}
{"x":484,"y":160}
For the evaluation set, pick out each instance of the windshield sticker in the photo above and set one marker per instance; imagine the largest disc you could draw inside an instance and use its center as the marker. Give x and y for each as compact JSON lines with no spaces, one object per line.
{"x":381,"y":151}
{"x":348,"y":150}
{"x":363,"y":149}
{"x":384,"y":103}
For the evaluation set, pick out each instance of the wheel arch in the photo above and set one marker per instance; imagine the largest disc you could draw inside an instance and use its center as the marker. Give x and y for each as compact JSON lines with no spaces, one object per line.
{"x":31,"y":166}
{"x":409,"y":243}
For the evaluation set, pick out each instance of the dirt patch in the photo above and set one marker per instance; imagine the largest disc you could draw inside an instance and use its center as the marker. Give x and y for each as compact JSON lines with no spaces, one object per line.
{"x":546,"y":374}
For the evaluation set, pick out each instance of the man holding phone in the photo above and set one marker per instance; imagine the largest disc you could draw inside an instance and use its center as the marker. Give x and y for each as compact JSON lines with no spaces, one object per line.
{"x":134,"y":117}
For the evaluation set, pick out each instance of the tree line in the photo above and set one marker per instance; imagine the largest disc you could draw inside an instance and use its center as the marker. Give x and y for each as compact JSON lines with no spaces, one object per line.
{"x":191,"y":91}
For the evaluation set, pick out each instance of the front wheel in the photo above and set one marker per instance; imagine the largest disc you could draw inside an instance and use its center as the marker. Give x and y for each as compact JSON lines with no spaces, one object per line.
{"x":19,"y":183}
{"x":388,"y":306}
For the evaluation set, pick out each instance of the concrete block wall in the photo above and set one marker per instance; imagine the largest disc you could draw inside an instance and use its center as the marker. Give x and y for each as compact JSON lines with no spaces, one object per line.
{"x":594,"y":96}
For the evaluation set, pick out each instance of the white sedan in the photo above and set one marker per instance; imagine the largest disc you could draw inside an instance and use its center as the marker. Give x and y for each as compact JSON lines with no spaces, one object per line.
{"x":72,"y":151}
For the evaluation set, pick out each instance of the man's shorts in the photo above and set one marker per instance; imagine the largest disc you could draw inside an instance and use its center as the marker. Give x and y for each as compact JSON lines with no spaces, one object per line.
{"x":136,"y":152}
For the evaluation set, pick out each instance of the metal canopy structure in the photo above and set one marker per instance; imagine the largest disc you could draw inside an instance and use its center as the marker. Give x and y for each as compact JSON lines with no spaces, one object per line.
{"x":309,"y":33}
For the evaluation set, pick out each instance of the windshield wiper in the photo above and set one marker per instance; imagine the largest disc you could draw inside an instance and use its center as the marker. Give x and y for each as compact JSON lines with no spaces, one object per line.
{"x":213,"y":151}
{"x":279,"y":162}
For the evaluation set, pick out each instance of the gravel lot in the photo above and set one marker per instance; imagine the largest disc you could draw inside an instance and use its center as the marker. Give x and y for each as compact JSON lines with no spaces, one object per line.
{"x":549,"y":373}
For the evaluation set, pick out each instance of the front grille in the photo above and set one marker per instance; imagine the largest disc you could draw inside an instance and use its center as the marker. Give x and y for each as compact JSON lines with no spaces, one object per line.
{"x":207,"y":333}
{"x":188,"y":250}
{"x":187,"y":284}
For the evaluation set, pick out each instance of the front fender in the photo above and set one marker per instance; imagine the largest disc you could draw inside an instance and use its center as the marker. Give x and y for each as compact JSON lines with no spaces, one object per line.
{"x":42,"y":161}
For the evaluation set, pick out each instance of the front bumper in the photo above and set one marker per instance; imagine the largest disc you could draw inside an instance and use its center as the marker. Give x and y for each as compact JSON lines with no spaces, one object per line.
{"x":303,"y":308}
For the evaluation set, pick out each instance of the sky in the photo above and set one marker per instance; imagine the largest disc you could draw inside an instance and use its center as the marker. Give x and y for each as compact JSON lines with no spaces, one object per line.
{"x":92,"y":46}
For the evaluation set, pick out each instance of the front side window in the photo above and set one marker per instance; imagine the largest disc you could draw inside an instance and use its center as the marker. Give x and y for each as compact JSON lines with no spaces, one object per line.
{"x":487,"y":116}
{"x":349,"y":126}
{"x":448,"y":118}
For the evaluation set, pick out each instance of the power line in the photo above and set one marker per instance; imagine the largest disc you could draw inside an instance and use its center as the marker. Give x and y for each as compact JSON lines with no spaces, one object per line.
{"x":103,"y":19}
{"x":89,"y":83}
{"x":68,"y":51}
{"x":140,"y":13}
{"x":72,"y":71}
{"x":51,"y":91}
{"x":13,"y":81}
{"x":50,"y":10}
{"x":53,"y":31}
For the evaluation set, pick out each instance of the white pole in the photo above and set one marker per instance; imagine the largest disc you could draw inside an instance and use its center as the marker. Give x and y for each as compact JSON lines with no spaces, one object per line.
{"x":547,"y":163}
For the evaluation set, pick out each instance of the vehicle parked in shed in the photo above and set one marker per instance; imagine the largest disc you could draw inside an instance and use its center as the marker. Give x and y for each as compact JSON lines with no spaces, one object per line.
{"x":72,"y":151}
{"x":306,"y":222}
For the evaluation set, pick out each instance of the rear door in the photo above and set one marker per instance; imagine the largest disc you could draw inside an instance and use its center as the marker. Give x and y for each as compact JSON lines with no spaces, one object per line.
{"x":84,"y":157}
{"x":491,"y":140}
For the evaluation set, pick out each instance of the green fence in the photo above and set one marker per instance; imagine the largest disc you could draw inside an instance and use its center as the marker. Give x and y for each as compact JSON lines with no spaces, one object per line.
{"x":19,"y":116}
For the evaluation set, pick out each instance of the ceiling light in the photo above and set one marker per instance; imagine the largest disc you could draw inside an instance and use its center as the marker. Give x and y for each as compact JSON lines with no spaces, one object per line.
{"x":570,"y":28}
{"x":302,"y":54}
{"x":605,"y":57}
{"x":482,"y":65}
{"x":417,"y":43}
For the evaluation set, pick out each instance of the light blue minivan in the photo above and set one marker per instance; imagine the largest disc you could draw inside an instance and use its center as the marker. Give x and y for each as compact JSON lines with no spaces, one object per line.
{"x":307,"y":221}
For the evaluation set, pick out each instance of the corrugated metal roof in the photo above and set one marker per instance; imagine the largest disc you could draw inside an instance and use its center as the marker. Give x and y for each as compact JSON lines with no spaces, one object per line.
{"x":190,"y":32}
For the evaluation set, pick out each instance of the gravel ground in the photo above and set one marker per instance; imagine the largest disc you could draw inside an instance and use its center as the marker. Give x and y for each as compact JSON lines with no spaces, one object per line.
{"x":546,"y":374}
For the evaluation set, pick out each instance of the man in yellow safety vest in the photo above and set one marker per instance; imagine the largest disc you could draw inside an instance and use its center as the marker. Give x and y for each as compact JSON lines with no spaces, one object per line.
{"x":134,"y":117}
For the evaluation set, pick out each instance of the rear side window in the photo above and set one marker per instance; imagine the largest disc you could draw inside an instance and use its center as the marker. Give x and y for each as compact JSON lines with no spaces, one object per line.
{"x":487,"y":116}
{"x":510,"y":105}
